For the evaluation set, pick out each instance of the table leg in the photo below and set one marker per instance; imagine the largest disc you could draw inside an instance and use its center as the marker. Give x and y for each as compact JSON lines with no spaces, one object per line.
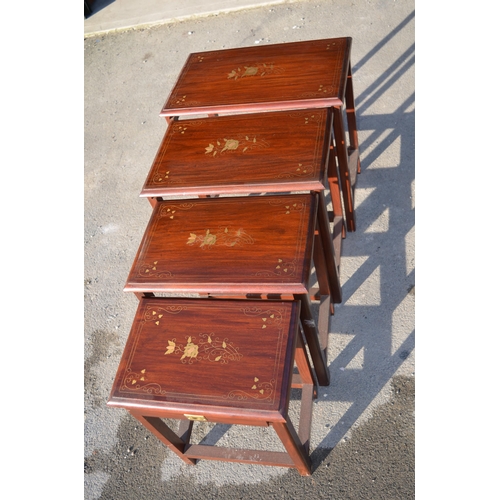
{"x":345,"y":177}
{"x":351,"y":118}
{"x":166,"y":435}
{"x":293,"y":446}
{"x":313,"y":339}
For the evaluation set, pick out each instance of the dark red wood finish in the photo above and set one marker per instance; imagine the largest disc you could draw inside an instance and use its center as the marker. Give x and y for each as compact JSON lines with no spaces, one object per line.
{"x":250,"y":244}
{"x":280,"y":76}
{"x":218,"y":361}
{"x":241,"y":154}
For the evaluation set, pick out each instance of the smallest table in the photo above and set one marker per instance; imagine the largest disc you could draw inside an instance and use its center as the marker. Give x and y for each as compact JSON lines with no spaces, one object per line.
{"x":217,"y":361}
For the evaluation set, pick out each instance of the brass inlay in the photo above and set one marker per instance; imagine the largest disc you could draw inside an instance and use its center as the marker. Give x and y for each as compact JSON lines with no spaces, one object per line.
{"x":281,"y":268}
{"x":267,"y":316}
{"x":181,"y":100}
{"x":155,"y":314}
{"x":312,"y":118}
{"x":140,"y":376}
{"x":322,"y":90}
{"x":181,"y":129}
{"x":258,"y":69}
{"x":164,"y":177}
{"x":169,"y":211}
{"x":264,"y":325}
{"x":299,"y":171}
{"x":196,"y":418}
{"x":150,"y":269}
{"x":207,"y":348}
{"x":137,"y":381}
{"x":258,"y":390}
{"x":289,"y":207}
{"x":226,"y":237}
{"x":239,"y":143}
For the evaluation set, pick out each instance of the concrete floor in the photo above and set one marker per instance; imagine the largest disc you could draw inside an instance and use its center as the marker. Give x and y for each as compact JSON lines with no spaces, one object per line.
{"x":114,"y":15}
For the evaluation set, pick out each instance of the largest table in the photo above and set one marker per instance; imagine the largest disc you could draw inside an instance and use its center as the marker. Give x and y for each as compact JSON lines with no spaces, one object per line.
{"x":307,"y":74}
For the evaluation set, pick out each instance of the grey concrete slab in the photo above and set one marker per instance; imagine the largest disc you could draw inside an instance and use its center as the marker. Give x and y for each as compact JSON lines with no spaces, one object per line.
{"x":362,"y":439}
{"x":114,"y":15}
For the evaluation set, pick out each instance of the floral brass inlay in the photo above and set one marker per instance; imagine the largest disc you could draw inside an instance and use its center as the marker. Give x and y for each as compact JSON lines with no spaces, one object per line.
{"x":322,"y":90}
{"x":181,"y":101}
{"x":155,"y":314}
{"x":151,"y":270}
{"x":264,"y":325}
{"x":160,"y":177}
{"x":227,"y":237}
{"x":169,"y":211}
{"x":267,"y":316}
{"x":181,"y":129}
{"x":325,"y":90}
{"x":140,"y":377}
{"x":137,"y":381}
{"x":258,"y":69}
{"x":289,"y":208}
{"x":281,"y":269}
{"x":303,"y":170}
{"x":257,"y":390}
{"x":284,"y":267}
{"x":207,"y":348}
{"x":312,"y":118}
{"x":300,"y":171}
{"x":241,"y":144}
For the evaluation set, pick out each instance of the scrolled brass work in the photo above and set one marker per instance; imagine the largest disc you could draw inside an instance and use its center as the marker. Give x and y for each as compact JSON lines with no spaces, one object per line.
{"x":257,"y":69}
{"x":207,"y":347}
{"x":225,"y":236}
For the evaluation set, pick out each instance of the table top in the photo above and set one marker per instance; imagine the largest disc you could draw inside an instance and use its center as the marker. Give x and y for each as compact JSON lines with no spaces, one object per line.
{"x":291,"y":75}
{"x":191,"y":355}
{"x":245,"y":153}
{"x":226,"y":245}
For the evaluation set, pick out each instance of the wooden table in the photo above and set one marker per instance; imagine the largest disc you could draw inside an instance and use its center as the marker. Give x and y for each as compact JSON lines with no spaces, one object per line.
{"x":307,"y":74}
{"x":217,"y":361}
{"x":243,"y":154}
{"x":239,"y":246}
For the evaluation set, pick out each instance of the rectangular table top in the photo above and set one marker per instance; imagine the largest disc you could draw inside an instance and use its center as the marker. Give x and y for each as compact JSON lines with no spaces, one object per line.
{"x":208,"y":357}
{"x":245,"y":153}
{"x":249,"y":244}
{"x":291,"y":75}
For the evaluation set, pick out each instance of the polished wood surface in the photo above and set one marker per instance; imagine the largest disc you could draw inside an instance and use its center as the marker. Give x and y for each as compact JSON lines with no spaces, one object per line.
{"x":292,"y":75}
{"x":219,"y":361}
{"x":197,"y":356}
{"x":250,"y":244}
{"x":246,"y":153}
